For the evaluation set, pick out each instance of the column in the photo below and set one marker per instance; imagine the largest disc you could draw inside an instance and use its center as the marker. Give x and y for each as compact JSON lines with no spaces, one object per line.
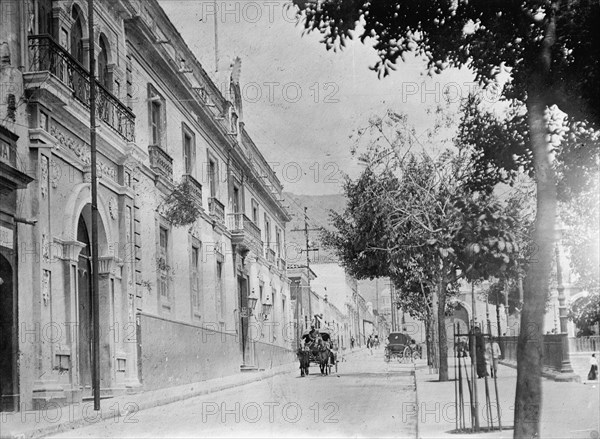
{"x":109,"y":325}
{"x":566,"y":370}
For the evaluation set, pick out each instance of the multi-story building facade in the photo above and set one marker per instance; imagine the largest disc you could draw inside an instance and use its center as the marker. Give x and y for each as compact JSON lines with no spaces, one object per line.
{"x":302,"y":296}
{"x":177,"y":303}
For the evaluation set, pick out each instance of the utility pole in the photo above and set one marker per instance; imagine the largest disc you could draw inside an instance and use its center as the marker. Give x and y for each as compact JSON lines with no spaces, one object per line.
{"x":307,"y":250}
{"x":392,"y":307}
{"x":357,"y":315}
{"x":378,"y":317}
{"x":94,"y":184}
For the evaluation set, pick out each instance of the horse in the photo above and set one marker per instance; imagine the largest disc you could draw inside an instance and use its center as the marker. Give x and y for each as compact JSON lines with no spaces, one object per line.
{"x":304,"y":358}
{"x":322,"y":354}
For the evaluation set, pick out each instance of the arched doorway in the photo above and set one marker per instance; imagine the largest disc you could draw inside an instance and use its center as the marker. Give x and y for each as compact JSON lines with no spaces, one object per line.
{"x":84,"y":299}
{"x":460,"y":317}
{"x":8,"y":344}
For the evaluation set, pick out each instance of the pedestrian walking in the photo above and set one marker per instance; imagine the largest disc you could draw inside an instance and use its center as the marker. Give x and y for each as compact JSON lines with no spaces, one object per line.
{"x":351,"y":342}
{"x":593,"y":373}
{"x":478,"y":351}
{"x":370,"y":344}
{"x":492,"y":357}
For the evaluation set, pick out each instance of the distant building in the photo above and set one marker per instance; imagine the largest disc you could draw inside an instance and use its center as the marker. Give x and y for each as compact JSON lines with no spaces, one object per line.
{"x":343,"y":292}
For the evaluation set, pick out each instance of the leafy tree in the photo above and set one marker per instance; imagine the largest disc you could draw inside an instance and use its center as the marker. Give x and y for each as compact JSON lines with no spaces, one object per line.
{"x":585,"y":313}
{"x":412,"y":218}
{"x":496,"y":294}
{"x":581,"y":217}
{"x":519,"y":206}
{"x":551,"y":48}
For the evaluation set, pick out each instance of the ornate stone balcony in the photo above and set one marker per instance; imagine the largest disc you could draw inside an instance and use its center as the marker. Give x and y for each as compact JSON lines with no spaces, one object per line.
{"x":270,"y":255}
{"x":195,"y":188}
{"x":244,"y":232}
{"x":217,"y":209}
{"x":161,"y":162}
{"x":281,"y":264}
{"x":46,"y":55}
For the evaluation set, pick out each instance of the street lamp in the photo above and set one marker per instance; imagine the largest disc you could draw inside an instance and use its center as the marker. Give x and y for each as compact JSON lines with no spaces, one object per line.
{"x":252,"y":299}
{"x":566,"y":370}
{"x":266,"y":308}
{"x":562,"y":309}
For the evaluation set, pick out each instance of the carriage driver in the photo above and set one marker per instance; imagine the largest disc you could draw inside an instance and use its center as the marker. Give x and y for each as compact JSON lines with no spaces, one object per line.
{"x":313,"y":337}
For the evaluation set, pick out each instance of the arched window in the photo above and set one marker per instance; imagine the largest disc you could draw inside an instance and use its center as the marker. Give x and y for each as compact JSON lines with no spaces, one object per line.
{"x":103,"y":75}
{"x":77,"y":34}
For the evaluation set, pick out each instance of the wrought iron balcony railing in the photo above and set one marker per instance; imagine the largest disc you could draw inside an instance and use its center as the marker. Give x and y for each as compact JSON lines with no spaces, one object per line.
{"x":217,"y":209}
{"x":47,"y":55}
{"x":161,"y":162}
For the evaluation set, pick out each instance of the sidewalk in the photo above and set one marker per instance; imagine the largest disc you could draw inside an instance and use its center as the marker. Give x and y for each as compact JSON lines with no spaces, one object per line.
{"x":569,"y":410}
{"x":34,"y":424}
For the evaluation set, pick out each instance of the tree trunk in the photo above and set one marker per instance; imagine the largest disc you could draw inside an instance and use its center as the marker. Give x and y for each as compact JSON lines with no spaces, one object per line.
{"x":428,"y":338}
{"x":528,"y":398}
{"x":443,"y":343}
{"x":498,"y":317}
{"x":434,"y":330}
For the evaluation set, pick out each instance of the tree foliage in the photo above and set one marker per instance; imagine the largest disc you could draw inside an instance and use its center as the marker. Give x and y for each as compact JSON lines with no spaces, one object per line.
{"x":585,"y":313}
{"x":412,"y":217}
{"x":497,"y":290}
{"x":180,"y":207}
{"x":581,"y":237}
{"x":487,"y":36}
{"x":500,"y":145}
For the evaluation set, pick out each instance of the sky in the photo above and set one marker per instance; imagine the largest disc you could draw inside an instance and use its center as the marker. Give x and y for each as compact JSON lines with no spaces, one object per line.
{"x":301,"y":102}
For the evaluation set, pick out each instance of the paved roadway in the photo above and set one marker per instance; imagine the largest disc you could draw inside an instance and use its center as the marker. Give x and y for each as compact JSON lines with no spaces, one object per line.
{"x":365,"y":398}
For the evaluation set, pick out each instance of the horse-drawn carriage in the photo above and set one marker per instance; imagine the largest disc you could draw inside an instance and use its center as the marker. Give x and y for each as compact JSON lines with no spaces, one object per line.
{"x":319,"y":348}
{"x":402,"y":348}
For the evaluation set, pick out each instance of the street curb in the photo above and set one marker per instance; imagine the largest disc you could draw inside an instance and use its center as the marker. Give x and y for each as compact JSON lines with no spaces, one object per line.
{"x":113,"y":414}
{"x":549,"y":374}
{"x":203,"y":389}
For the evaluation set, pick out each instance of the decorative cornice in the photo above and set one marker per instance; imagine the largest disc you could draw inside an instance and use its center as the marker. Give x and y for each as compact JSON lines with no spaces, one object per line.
{"x":40,"y":138}
{"x":82,"y":152}
{"x":69,"y":250}
{"x":108,"y":265}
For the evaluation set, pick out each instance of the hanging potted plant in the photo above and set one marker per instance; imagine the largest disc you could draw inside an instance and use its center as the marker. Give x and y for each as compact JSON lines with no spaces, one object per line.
{"x":180,"y":207}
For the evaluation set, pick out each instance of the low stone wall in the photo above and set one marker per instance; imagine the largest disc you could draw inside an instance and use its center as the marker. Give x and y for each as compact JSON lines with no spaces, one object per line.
{"x":552,"y":350}
{"x":172,"y":353}
{"x":267,"y":355}
{"x":554,"y":347}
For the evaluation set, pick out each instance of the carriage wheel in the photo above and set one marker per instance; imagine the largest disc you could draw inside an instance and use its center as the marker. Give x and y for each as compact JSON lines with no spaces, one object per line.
{"x":407,"y":354}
